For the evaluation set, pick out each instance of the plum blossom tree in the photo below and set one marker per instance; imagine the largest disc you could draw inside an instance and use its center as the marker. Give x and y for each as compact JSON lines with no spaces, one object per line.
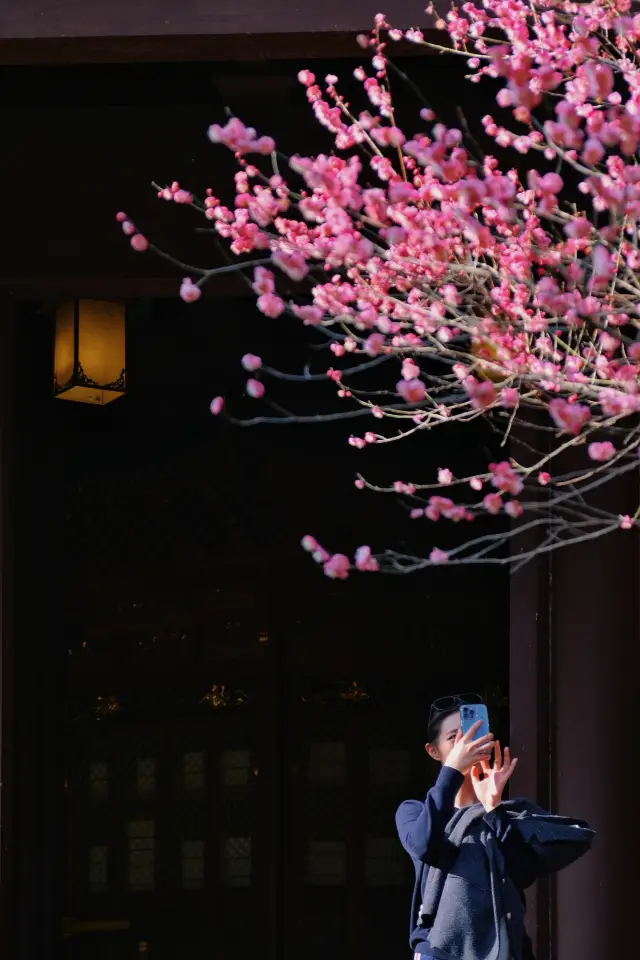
{"x":507,"y":291}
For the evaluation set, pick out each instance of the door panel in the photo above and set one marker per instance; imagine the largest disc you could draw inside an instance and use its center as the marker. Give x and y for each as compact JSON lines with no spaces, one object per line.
{"x":265,"y":825}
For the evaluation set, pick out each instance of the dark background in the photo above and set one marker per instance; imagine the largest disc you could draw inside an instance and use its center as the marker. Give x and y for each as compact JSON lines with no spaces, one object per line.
{"x":157,"y":545}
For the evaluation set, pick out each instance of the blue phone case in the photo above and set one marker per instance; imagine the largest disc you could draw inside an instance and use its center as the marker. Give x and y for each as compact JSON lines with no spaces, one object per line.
{"x":470,"y":713}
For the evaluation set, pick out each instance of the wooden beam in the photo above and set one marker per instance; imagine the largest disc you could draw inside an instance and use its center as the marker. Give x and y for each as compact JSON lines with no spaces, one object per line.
{"x":253,"y":48}
{"x":7,"y":447}
{"x":65,"y":19}
{"x":117,"y":288}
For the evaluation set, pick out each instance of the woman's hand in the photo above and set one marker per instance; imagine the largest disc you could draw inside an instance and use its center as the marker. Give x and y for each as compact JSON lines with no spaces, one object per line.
{"x":489,"y":781}
{"x":467,"y":752}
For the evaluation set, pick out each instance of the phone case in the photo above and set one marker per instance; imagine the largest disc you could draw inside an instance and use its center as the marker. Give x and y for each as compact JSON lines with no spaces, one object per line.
{"x":470,"y":713}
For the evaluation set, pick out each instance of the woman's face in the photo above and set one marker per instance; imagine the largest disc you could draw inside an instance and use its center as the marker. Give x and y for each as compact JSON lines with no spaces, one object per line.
{"x":442,"y":747}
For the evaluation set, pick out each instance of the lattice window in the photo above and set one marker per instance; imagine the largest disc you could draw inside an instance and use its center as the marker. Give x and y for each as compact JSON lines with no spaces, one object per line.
{"x":236,"y":768}
{"x":141,"y":872}
{"x":388,"y":766}
{"x":236,"y":862}
{"x":146,"y":776}
{"x":98,"y":868}
{"x":384,"y":862}
{"x":99,"y":779}
{"x":328,"y":762}
{"x":193,"y":771}
{"x":327,"y":863}
{"x":193,"y":863}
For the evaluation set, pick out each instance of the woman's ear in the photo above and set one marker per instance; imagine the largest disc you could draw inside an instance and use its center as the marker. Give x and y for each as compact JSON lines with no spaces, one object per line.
{"x":433,"y":752}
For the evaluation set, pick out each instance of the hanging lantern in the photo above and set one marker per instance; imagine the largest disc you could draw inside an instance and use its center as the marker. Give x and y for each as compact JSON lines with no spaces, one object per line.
{"x":89,"y":356}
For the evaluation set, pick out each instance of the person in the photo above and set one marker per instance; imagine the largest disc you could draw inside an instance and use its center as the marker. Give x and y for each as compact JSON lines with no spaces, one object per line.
{"x":474,"y":853}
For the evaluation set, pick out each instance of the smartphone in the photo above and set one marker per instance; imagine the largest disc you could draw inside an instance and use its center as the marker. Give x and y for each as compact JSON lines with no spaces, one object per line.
{"x":470,"y":713}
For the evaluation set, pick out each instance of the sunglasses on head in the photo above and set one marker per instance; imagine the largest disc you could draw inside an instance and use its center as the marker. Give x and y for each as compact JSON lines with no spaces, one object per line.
{"x":446,"y":704}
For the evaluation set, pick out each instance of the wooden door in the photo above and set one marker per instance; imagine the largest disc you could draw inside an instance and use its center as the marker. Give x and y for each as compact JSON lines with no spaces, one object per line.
{"x":266,"y":824}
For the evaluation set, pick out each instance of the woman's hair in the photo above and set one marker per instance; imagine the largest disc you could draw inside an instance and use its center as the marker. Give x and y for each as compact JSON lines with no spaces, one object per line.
{"x":435,"y":723}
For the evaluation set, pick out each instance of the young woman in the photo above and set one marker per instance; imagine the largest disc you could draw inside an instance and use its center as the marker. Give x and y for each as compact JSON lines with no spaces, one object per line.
{"x":474,"y":854}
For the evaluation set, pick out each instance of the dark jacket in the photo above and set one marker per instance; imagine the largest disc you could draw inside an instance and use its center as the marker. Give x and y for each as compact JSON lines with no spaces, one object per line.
{"x":473,"y":866}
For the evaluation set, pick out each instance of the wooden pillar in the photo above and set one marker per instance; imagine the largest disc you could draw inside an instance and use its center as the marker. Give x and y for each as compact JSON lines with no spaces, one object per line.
{"x":595,"y":645}
{"x":530,"y":700}
{"x":7,"y":419}
{"x":574,"y":682}
{"x":40,"y":656}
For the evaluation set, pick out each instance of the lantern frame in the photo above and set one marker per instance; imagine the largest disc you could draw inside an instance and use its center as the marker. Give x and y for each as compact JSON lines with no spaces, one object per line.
{"x":79,"y":378}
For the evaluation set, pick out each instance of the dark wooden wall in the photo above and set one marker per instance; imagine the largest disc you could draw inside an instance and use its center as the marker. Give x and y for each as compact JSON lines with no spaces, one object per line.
{"x":86,"y":142}
{"x":73,"y":162}
{"x":68,"y":30}
{"x":70,"y":18}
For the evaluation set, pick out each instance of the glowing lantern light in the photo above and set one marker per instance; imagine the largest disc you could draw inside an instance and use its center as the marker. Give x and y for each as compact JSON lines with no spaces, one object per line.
{"x":89,"y":355}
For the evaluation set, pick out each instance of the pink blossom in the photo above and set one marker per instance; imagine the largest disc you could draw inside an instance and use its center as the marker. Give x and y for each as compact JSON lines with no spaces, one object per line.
{"x":310,"y":316}
{"x":175,"y":194}
{"x":615,"y":403}
{"x":412,"y":391}
{"x":505,"y":478}
{"x":251,"y":362}
{"x":189,"y":291}
{"x":492,"y":502}
{"x":337,"y":567}
{"x":438,"y":557}
{"x":263,"y":281}
{"x":240,"y":139}
{"x":593,"y":151}
{"x":271,"y":305}
{"x":509,"y":397}
{"x":216,"y":406}
{"x":569,"y":417}
{"x":364,"y":561}
{"x":439,"y":506}
{"x":255,"y":389}
{"x":139,"y":243}
{"x":374,"y":344}
{"x":601,"y":451}
{"x":603,"y":267}
{"x":578,"y":227}
{"x":400,"y":487}
{"x":495,"y":291}
{"x":599,"y":79}
{"x":291,"y":262}
{"x":626,"y":522}
{"x":482,"y":393}
{"x":550,"y":183}
{"x":309,"y":543}
{"x":410,"y":369}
